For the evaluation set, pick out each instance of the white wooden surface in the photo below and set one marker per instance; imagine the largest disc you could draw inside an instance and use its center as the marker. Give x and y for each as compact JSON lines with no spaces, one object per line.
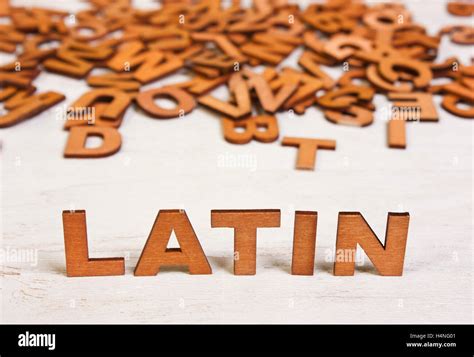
{"x":182,"y":164}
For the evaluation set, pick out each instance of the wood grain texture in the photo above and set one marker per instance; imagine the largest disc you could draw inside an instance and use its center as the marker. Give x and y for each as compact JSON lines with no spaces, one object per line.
{"x":245,"y":224}
{"x":304,"y":243}
{"x":76,"y":142}
{"x":353,"y":230}
{"x":78,"y":262}
{"x":262,"y":128}
{"x":156,"y":253}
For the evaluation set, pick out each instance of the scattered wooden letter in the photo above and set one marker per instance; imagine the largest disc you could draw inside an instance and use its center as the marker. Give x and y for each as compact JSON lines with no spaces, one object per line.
{"x":76,"y":144}
{"x":307,"y":149}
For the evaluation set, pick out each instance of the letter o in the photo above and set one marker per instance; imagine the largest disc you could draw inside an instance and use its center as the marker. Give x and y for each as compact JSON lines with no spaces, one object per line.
{"x":185,"y":102}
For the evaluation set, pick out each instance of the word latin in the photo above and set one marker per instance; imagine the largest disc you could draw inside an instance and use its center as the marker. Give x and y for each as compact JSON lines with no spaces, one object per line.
{"x":352,"y":230}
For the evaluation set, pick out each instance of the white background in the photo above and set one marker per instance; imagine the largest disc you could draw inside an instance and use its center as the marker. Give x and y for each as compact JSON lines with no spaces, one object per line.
{"x":178,"y":164}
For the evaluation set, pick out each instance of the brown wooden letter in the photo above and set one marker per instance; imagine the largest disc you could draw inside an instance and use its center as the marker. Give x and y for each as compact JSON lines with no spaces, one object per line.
{"x":354,"y":115}
{"x":76,"y":144}
{"x":413,"y":106}
{"x":245,"y":224}
{"x":28,"y":106}
{"x":156,"y":254}
{"x":78,"y":262}
{"x":185,"y":102}
{"x":304,"y":243}
{"x":353,"y":229}
{"x":147,"y":65}
{"x":269,"y":101}
{"x":251,"y":126}
{"x":307,"y":149}
{"x":388,"y":68}
{"x":117,"y":100}
{"x":238,"y":87}
{"x":396,"y":133}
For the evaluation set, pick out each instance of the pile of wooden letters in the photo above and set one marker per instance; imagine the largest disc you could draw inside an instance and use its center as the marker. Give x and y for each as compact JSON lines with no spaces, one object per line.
{"x":379,"y":48}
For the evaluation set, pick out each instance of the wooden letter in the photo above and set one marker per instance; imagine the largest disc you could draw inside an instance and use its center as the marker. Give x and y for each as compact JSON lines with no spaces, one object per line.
{"x":117,"y":101}
{"x":23,"y":109}
{"x":148,"y":65}
{"x":309,"y":62}
{"x":186,"y":102}
{"x":344,"y":97}
{"x":304,"y":243}
{"x":122,"y":81}
{"x":270,"y":102}
{"x":75,"y":58}
{"x":353,"y":229}
{"x":307,"y":149}
{"x":251,"y":126}
{"x":343,"y":46}
{"x":76,"y":144}
{"x":238,"y":87}
{"x":354,"y":115}
{"x":78,"y":262}
{"x":421,"y":105}
{"x":450,"y":103}
{"x":245,"y":224}
{"x":389,"y":69}
{"x":413,"y":106}
{"x":269,"y":47}
{"x":396,"y":131}
{"x":156,"y":254}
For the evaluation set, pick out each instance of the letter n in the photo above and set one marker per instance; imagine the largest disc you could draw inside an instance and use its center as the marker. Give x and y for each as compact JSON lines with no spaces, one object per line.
{"x":353,"y":230}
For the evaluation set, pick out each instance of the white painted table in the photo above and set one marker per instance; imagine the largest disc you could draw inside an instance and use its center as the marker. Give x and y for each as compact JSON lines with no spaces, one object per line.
{"x":185,"y":163}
